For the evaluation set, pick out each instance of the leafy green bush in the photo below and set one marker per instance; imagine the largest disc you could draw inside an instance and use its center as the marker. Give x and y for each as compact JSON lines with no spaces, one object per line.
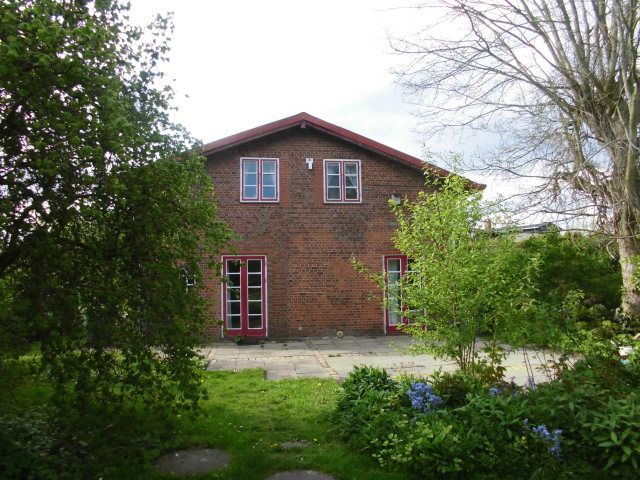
{"x":583,"y":424}
{"x":370,"y":403}
{"x":26,"y":443}
{"x":575,"y":262}
{"x":39,"y":444}
{"x":615,"y":431}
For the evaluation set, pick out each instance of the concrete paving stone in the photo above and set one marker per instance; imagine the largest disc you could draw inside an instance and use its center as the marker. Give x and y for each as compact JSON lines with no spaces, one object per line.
{"x":296,"y":344}
{"x":223,"y":352}
{"x":280,"y":375}
{"x":274,"y":353}
{"x":299,"y":351}
{"x":251,"y":364}
{"x":278,"y":360}
{"x":300,"y":475}
{"x":346,"y":341}
{"x":313,"y":373}
{"x":192,"y":462}
{"x":321,"y":342}
{"x":205,"y":352}
{"x":222,"y":365}
{"x":309,"y":370}
{"x":294,"y":444}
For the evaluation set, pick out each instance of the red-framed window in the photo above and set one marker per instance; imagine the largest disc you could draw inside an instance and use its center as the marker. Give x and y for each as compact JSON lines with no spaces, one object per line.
{"x":342,"y":181}
{"x":244,"y":295}
{"x":259,"y":179}
{"x":395,"y":269}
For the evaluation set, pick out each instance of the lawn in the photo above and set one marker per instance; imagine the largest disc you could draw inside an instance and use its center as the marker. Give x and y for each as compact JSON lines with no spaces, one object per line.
{"x":250,"y":417}
{"x":245,"y":415}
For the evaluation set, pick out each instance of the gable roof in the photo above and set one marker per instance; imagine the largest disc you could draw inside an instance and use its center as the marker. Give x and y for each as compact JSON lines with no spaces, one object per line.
{"x":304,"y":120}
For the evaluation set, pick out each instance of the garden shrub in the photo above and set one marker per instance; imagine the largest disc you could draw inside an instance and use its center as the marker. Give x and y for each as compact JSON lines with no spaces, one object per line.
{"x":26,"y":443}
{"x":615,"y":431}
{"x":582,"y":424}
{"x":370,"y":405}
{"x":456,"y":385}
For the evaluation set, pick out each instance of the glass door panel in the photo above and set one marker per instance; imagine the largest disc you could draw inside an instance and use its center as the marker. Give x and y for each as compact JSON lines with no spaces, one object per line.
{"x":244,"y":308}
{"x":395,"y":268}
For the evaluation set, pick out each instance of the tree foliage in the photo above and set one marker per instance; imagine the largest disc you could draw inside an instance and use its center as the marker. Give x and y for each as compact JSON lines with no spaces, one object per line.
{"x":103,"y":204}
{"x":559,"y":82}
{"x":464,"y":281}
{"x":575,"y":262}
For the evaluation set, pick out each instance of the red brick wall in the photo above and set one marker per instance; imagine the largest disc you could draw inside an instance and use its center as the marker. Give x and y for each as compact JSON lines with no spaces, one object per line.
{"x":313,"y":290}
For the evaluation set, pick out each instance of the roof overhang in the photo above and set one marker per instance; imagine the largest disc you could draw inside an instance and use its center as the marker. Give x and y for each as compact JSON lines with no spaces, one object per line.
{"x":303,"y":120}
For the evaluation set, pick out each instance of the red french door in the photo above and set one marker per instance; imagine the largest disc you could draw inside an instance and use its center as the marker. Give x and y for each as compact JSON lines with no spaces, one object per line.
{"x":395,"y":267}
{"x":244,"y":293}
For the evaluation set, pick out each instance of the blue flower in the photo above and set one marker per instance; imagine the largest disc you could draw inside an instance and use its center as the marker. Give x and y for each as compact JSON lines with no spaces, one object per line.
{"x":493,"y":391}
{"x":552,"y":439}
{"x":531,"y":383}
{"x":423,"y":398}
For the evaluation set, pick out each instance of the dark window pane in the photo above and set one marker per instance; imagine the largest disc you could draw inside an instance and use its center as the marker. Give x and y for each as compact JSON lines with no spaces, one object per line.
{"x":233,"y":293}
{"x":254,"y":266}
{"x":254,"y":279}
{"x":233,"y":308}
{"x":351,"y":193}
{"x":255,"y":321}
{"x":333,"y":193}
{"x":233,"y":266}
{"x":255,"y":293}
{"x":255,"y":308}
{"x":333,"y":181}
{"x":233,"y":280}
{"x":233,"y":321}
{"x":351,"y":181}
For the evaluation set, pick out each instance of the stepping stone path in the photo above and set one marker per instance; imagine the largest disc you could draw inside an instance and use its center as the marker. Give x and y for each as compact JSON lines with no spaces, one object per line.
{"x":193,"y":461}
{"x":301,"y":475}
{"x":294,"y":444}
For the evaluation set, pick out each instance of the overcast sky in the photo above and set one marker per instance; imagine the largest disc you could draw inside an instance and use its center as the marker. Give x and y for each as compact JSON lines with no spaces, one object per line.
{"x":238,"y":64}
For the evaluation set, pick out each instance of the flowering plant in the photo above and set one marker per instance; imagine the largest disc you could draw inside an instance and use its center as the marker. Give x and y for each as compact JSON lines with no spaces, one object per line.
{"x":493,"y":391}
{"x":552,"y":439}
{"x":423,"y":398}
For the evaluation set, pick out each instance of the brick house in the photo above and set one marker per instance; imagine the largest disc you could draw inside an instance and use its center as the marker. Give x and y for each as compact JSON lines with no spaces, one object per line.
{"x":305,"y":196}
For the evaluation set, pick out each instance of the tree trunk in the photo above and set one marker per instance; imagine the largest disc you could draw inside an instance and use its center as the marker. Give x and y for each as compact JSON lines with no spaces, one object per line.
{"x":629,"y":249}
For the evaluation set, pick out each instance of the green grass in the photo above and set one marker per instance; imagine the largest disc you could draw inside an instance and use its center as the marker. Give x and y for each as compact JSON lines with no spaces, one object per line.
{"x":245,"y":415}
{"x":250,"y":417}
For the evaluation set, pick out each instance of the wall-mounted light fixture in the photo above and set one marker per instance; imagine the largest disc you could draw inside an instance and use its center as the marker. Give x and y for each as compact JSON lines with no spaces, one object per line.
{"x":309,"y":162}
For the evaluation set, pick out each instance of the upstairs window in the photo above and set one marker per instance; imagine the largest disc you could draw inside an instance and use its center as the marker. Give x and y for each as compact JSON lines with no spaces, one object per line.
{"x":342,"y":181}
{"x":259,"y":179}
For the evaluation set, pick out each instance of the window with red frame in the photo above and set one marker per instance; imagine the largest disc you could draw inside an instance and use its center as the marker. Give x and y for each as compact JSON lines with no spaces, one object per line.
{"x":342,"y":181}
{"x":396,"y":267}
{"x":259,"y":178}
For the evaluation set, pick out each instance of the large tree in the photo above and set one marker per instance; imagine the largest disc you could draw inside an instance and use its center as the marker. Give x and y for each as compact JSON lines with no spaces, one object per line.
{"x":104,"y":204}
{"x":559,"y":81}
